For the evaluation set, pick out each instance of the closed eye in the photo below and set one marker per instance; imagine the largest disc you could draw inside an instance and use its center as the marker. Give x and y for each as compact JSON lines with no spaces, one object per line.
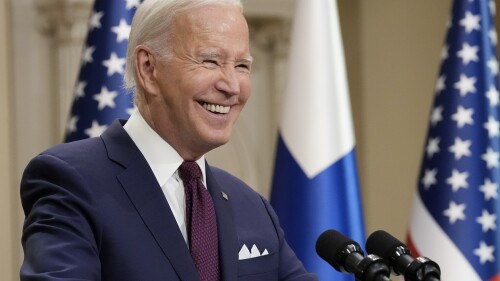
{"x":211,"y":62}
{"x":243,"y":66}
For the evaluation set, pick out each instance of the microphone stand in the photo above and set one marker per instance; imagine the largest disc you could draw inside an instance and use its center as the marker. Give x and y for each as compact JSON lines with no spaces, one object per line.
{"x":422,"y":269}
{"x":369,"y":268}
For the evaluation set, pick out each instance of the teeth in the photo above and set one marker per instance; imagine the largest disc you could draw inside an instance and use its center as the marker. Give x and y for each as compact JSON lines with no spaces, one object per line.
{"x":216,"y":108}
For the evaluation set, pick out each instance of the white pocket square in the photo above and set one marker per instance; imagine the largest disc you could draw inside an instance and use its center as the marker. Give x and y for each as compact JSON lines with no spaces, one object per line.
{"x":245,"y":254}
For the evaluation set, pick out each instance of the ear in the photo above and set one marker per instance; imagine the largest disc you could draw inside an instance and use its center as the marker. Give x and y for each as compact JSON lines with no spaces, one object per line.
{"x":145,"y":67}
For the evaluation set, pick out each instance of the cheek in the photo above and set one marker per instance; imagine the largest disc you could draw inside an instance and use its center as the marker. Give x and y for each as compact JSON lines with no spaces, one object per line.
{"x":246,"y":89}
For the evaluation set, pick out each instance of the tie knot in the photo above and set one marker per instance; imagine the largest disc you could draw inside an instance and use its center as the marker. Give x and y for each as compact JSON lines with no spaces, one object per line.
{"x":189,"y":170}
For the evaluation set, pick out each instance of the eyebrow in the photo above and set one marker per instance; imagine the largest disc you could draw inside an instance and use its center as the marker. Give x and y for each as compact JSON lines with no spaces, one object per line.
{"x":248,"y":59}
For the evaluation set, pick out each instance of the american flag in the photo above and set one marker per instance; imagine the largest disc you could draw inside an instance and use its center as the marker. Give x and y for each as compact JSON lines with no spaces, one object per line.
{"x":99,"y":95}
{"x":454,"y":220}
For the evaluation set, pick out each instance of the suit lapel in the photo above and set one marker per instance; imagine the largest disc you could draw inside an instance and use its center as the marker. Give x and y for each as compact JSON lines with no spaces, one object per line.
{"x":228,"y":244}
{"x":139,"y":183}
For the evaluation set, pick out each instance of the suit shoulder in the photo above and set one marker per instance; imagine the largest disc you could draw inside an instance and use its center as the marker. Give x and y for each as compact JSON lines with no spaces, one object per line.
{"x":76,"y":150}
{"x":77,"y":158}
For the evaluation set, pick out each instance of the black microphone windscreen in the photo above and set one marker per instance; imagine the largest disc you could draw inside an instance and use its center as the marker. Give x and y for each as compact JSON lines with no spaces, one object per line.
{"x":382,"y":244}
{"x":330,"y":243}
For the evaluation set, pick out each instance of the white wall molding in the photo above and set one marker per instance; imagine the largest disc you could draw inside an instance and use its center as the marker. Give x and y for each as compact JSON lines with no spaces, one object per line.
{"x":65,"y":22}
{"x":64,"y":19}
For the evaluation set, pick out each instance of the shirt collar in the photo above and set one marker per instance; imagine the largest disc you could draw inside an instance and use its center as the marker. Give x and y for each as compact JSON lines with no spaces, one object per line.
{"x":161,"y":157}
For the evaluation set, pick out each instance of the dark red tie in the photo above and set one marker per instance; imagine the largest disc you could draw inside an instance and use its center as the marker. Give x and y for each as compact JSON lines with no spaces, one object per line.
{"x":201,"y":223}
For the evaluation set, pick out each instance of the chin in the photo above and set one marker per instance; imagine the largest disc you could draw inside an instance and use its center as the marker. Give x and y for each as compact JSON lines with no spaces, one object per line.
{"x":213,"y":136}
{"x":217,"y":140}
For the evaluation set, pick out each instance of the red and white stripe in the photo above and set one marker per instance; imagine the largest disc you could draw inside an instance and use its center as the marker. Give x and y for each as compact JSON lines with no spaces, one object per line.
{"x":426,"y":238}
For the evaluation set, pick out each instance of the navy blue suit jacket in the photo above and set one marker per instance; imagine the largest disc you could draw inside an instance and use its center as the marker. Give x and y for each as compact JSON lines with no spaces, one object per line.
{"x":94,"y":211}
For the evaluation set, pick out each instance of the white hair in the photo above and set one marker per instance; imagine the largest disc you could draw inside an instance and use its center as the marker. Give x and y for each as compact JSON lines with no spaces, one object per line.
{"x":151,"y":28}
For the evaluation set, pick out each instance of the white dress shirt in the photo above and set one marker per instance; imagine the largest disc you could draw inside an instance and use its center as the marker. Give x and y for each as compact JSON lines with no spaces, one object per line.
{"x":164,"y":162}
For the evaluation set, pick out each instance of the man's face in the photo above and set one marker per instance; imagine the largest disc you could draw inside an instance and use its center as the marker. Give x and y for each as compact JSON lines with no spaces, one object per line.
{"x":205,"y":83}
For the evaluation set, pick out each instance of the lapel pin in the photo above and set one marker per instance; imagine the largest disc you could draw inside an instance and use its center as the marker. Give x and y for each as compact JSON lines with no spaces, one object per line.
{"x":224,"y":195}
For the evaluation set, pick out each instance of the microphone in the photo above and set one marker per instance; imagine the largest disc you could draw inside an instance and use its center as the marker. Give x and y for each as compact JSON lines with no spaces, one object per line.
{"x":345,"y":255}
{"x":399,"y":255}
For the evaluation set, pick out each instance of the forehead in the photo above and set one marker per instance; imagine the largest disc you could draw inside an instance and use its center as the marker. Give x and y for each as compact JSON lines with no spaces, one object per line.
{"x":219,"y":29}
{"x":215,"y":19}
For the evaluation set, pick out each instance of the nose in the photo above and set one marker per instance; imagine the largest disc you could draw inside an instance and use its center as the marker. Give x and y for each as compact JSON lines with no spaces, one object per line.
{"x":228,"y":82}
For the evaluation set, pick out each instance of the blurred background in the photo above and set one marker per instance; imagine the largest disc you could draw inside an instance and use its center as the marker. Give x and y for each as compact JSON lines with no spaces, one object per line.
{"x":392,"y":51}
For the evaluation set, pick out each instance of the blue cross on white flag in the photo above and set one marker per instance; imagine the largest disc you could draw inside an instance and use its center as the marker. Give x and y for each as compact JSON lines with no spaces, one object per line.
{"x":99,"y":95}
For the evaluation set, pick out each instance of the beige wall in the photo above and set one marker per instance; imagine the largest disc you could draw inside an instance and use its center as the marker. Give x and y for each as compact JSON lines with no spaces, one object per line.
{"x":398,"y":61}
{"x":9,"y":234}
{"x":392,"y":50}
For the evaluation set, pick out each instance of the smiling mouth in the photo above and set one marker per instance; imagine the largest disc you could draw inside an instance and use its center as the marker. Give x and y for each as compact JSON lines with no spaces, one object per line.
{"x":216,"y":108}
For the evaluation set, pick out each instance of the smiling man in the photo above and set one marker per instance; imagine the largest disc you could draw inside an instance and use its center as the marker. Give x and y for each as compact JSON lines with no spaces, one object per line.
{"x":140,"y":202}
{"x":192,"y":95}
